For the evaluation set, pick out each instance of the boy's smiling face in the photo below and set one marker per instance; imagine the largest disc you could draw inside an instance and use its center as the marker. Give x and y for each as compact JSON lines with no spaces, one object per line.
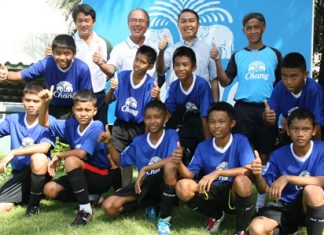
{"x":183,"y":67}
{"x":63,"y":57}
{"x":154,"y":120}
{"x":84,"y":112}
{"x":220,"y":124}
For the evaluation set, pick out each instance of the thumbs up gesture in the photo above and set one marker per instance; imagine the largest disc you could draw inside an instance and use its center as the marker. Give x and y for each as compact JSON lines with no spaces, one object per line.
{"x":97,"y":57}
{"x":214,"y":52}
{"x":105,"y":136}
{"x":269,"y":115}
{"x":163,"y":44}
{"x":176,"y":156}
{"x":155,"y":92}
{"x":114,"y":83}
{"x":46,"y":95}
{"x":48,"y":50}
{"x":3,"y":72}
{"x":256,"y":165}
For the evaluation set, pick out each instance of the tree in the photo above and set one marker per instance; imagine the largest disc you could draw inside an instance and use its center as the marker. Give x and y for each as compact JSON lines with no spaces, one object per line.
{"x":319,"y":38}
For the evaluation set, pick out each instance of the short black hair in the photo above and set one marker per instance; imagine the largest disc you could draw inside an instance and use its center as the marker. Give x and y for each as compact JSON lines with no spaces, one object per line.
{"x":253,"y":15}
{"x":142,"y":10}
{"x":149,"y":52}
{"x":33,"y":87}
{"x":84,"y":95}
{"x":222,"y":106}
{"x":156,"y":104}
{"x":294,"y":60}
{"x":301,"y":114}
{"x":187,"y":52}
{"x":64,"y":41}
{"x":84,"y":8}
{"x":188,"y":10}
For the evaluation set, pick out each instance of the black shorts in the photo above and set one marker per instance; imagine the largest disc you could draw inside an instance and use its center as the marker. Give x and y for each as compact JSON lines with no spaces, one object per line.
{"x":151,"y":191}
{"x":123,"y":133}
{"x":249,"y":117}
{"x":17,"y":188}
{"x":288,"y":216}
{"x":98,"y":180}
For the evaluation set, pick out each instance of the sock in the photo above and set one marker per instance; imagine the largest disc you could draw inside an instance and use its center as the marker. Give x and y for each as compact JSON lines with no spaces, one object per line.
{"x":79,"y":185}
{"x":208,"y":208}
{"x":168,"y":197}
{"x":86,"y":208}
{"x":36,"y":189}
{"x":243,"y":206}
{"x":315,"y":220}
{"x":116,"y":178}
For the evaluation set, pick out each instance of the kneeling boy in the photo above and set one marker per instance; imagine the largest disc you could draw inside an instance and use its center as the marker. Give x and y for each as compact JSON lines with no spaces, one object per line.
{"x":225,"y":160}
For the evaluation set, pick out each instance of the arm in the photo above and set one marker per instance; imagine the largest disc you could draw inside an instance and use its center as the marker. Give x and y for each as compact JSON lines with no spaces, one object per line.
{"x":256,"y":167}
{"x":46,"y":97}
{"x":223,"y":79}
{"x":79,"y":153}
{"x":25,"y":151}
{"x":215,"y":89}
{"x":6,"y":75}
{"x":176,"y":158}
{"x":269,"y":115}
{"x":160,"y":63}
{"x":110,"y":94}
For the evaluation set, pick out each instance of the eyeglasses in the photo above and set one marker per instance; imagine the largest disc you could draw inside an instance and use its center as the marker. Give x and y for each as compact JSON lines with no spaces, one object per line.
{"x":135,"y":20}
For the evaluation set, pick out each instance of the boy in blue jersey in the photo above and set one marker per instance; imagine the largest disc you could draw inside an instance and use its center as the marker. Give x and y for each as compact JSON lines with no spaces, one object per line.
{"x":294,"y":179}
{"x":188,"y":100}
{"x":86,"y":163}
{"x":62,"y":70}
{"x":225,"y":160}
{"x":296,"y":90}
{"x":132,"y":89}
{"x":150,"y":153}
{"x":256,"y":68}
{"x":30,"y":144}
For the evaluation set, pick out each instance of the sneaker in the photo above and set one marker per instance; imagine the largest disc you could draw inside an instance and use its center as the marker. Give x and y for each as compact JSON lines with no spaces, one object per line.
{"x":32,"y":210}
{"x":82,"y":218}
{"x":163,"y":226}
{"x":213,"y":224}
{"x":241,"y":233}
{"x":150,"y":213}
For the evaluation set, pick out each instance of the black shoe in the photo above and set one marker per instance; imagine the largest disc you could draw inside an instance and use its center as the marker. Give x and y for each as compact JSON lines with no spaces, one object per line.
{"x":82,"y":218}
{"x":32,"y":210}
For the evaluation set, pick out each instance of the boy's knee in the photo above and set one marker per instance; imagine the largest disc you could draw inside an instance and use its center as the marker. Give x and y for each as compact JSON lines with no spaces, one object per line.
{"x":51,"y":190}
{"x":39,"y":163}
{"x":6,"y":207}
{"x":313,"y":195}
{"x":108,"y":206}
{"x":242,"y":186}
{"x":184,"y":189}
{"x":71,"y":163}
{"x":256,"y":227}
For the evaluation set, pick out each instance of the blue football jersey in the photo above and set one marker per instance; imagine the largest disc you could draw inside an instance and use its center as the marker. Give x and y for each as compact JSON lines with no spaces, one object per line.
{"x":22,"y":135}
{"x":284,"y":162}
{"x":86,"y":140}
{"x":208,"y":157}
{"x":142,"y":152}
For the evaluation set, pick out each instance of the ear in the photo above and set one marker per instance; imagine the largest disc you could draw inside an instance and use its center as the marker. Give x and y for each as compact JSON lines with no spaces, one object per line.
{"x":73,"y":109}
{"x":95,"y":111}
{"x":194,"y":68}
{"x":150,"y":66}
{"x":233,"y":123}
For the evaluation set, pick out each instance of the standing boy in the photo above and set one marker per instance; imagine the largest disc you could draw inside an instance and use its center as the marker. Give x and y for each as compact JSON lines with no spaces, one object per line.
{"x":294,"y":179}
{"x":226,"y":161}
{"x":155,"y":184}
{"x":297,"y":91}
{"x":62,"y":70}
{"x":86,"y":163}
{"x":133,"y":89}
{"x":188,"y":100}
{"x":30,"y":144}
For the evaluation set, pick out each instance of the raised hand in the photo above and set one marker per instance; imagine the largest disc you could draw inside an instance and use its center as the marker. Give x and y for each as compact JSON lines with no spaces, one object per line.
{"x":155,"y":92}
{"x":48,"y":50}
{"x":114,"y":83}
{"x":269,"y":115}
{"x":3,"y":72}
{"x":214,"y":52}
{"x":97,"y":57}
{"x":177,"y":154}
{"x":46,"y":95}
{"x":105,"y":136}
{"x":163,"y":44}
{"x":256,"y":165}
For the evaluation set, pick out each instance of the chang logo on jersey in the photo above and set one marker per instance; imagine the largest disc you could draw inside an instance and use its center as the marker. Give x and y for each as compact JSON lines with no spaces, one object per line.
{"x":257,"y":70}
{"x":302,"y":174}
{"x":152,"y":161}
{"x":222,"y":166}
{"x":191,"y":108}
{"x":130,"y":106}
{"x":27,"y":142}
{"x":64,"y":90}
